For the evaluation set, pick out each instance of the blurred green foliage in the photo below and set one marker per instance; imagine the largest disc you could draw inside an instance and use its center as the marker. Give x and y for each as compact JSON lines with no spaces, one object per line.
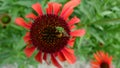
{"x":100,"y":18}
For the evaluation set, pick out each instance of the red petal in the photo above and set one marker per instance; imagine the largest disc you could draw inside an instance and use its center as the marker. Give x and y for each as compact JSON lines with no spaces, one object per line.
{"x":29,"y":51}
{"x":55,"y":62}
{"x":27,"y":37}
{"x":38,"y":57}
{"x":61,"y":57}
{"x":37,"y":7}
{"x":73,"y":21}
{"x":71,"y":42}
{"x":45,"y":58}
{"x":67,"y":13}
{"x":69,"y":50}
{"x":110,"y":60}
{"x":50,"y":7}
{"x":94,"y":63}
{"x":70,"y":57}
{"x":72,"y":27}
{"x":20,"y":21}
{"x":56,"y":8}
{"x":101,"y":53}
{"x":77,"y":0}
{"x":55,"y":54}
{"x":31,"y":15}
{"x":69,"y":5}
{"x":97,"y":58}
{"x":79,"y":32}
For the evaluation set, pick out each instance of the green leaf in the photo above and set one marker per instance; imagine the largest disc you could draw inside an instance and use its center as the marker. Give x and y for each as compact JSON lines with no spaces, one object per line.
{"x":107,"y":21}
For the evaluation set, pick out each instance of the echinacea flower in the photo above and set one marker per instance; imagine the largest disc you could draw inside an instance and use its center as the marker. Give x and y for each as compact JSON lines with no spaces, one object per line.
{"x":102,"y":60}
{"x":51,"y":34}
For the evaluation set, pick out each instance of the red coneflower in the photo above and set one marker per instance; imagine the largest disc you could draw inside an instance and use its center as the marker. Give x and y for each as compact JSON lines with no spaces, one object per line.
{"x":51,"y":33}
{"x":102,"y":60}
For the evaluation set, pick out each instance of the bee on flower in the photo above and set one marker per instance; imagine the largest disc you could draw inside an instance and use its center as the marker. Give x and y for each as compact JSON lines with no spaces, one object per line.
{"x":51,"y":33}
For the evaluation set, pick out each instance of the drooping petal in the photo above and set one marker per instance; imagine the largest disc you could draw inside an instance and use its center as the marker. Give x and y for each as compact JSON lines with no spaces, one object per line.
{"x":67,"y":13}
{"x":38,"y":57}
{"x":79,"y":32}
{"x":27,"y":37}
{"x":55,"y":62}
{"x":29,"y":51}
{"x":20,"y":21}
{"x":61,"y":57}
{"x":70,"y":4}
{"x":73,"y":21}
{"x":45,"y":58}
{"x":49,"y":10}
{"x":56,"y":8}
{"x":37,"y":7}
{"x":69,"y":57}
{"x":55,"y":54}
{"x":31,"y":16}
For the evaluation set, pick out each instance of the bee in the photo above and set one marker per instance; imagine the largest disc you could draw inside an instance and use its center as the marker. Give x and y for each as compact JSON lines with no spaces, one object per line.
{"x":62,"y":32}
